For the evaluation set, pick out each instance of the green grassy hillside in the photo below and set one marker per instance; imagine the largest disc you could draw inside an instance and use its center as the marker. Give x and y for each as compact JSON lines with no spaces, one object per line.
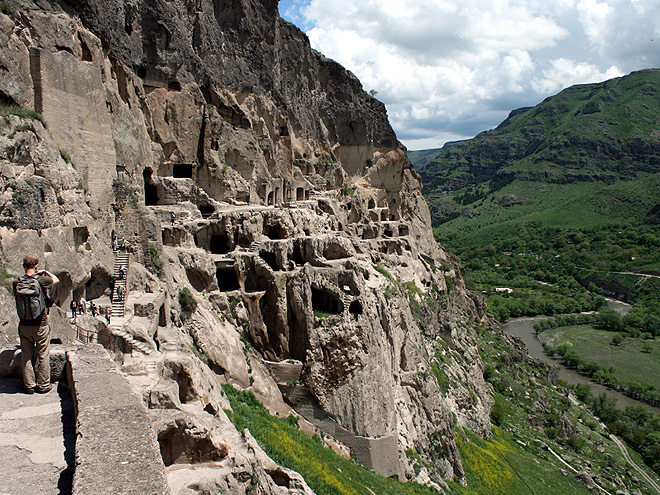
{"x":565,"y":191}
{"x":590,"y":153}
{"x":556,"y":207}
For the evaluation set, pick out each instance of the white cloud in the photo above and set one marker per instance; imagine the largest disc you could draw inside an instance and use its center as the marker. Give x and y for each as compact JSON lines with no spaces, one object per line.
{"x":563,"y":72}
{"x":447,"y":69}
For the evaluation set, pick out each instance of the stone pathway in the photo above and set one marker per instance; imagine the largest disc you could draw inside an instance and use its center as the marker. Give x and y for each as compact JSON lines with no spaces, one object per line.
{"x":37,"y":440}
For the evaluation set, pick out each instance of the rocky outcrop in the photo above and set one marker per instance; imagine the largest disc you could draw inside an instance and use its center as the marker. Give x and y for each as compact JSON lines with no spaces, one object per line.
{"x":273,"y":216}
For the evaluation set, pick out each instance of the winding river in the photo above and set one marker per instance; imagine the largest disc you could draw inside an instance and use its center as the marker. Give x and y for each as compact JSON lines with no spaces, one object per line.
{"x":524,"y":329}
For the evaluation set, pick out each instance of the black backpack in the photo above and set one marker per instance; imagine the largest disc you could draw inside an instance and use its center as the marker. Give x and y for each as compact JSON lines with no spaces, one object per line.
{"x":30,"y":298}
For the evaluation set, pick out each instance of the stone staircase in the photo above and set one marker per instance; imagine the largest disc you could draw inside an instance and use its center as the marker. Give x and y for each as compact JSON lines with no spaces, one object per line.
{"x":121,"y":259}
{"x":143,"y":347}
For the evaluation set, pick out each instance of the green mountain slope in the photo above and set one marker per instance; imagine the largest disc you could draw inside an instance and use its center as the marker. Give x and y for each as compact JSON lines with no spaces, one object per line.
{"x":591,"y":152}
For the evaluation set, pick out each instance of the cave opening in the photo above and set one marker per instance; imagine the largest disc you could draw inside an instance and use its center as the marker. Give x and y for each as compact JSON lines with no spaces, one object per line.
{"x":197,"y":279}
{"x":80,"y":235}
{"x":269,"y":258}
{"x":227,"y":279}
{"x":355,"y":308}
{"x":180,"y":445}
{"x":300,"y":194}
{"x":150,"y":189}
{"x":162,"y":317}
{"x":206,"y":210}
{"x":275,"y":232}
{"x":244,"y":241}
{"x":97,"y":284}
{"x":372,"y":204}
{"x":219,"y":244}
{"x":296,"y":255}
{"x":403,"y":230}
{"x":325,"y":302}
{"x":182,"y":171}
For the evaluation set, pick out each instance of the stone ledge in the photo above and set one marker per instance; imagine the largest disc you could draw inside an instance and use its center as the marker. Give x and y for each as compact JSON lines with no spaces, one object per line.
{"x":116,"y":447}
{"x":10,"y":361}
{"x":117,"y":452}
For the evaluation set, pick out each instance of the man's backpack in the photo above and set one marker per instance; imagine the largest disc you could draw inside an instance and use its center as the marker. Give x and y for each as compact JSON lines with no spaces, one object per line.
{"x":30,"y":298}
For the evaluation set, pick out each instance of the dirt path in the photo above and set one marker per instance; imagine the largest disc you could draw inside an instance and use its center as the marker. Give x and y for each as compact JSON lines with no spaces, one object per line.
{"x":624,"y":451}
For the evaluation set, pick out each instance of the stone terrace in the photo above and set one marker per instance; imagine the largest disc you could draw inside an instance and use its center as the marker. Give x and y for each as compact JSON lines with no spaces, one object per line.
{"x":116,"y":451}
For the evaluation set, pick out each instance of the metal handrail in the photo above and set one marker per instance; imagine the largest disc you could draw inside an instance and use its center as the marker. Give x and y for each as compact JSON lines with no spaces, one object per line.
{"x":87,"y":336}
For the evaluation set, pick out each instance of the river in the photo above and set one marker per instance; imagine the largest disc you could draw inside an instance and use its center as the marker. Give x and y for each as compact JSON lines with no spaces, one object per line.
{"x":524,"y":329}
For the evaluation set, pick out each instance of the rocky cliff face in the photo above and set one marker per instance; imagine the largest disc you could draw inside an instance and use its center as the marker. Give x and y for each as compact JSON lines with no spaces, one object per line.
{"x":250,"y":170}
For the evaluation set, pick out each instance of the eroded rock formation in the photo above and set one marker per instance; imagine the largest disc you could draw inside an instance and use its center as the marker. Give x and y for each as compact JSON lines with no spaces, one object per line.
{"x":299,"y":229}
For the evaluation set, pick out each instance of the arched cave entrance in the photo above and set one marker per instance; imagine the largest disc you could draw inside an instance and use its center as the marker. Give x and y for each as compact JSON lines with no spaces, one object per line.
{"x":270,"y":198}
{"x":150,"y":189}
{"x":325,"y":301}
{"x":80,"y":236}
{"x":98,"y":283}
{"x":296,"y":255}
{"x":162,"y":317}
{"x":355,"y":308}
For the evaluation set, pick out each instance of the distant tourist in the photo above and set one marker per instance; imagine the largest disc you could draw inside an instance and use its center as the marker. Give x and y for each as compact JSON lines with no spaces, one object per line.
{"x":122,"y":272}
{"x":82,"y":305}
{"x":173,"y":218}
{"x":74,"y":307}
{"x":92,"y":308}
{"x":32,"y":303}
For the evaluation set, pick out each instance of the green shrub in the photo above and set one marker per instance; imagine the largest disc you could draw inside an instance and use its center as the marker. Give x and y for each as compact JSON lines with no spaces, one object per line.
{"x":154,"y":255}
{"x":187,"y":303}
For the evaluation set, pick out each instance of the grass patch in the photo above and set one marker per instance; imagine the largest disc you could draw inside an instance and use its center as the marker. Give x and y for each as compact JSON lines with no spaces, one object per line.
{"x":321,"y":315}
{"x":326,"y":472}
{"x":381,"y":269}
{"x":21,"y":112}
{"x":635,"y":360}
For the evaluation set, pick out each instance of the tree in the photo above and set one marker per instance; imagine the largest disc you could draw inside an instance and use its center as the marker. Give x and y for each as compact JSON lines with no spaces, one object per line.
{"x":610,"y":319}
{"x":571,"y":358}
{"x":617,"y":340}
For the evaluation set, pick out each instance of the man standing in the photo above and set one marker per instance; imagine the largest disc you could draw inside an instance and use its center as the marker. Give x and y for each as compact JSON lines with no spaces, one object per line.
{"x":34,"y":328}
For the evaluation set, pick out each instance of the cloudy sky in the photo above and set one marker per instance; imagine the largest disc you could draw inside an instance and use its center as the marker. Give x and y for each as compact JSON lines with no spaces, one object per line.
{"x":449,"y":69}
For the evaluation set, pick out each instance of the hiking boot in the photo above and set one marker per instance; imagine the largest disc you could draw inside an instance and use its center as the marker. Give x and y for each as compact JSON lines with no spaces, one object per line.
{"x":44,"y":390}
{"x":29,"y":390}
